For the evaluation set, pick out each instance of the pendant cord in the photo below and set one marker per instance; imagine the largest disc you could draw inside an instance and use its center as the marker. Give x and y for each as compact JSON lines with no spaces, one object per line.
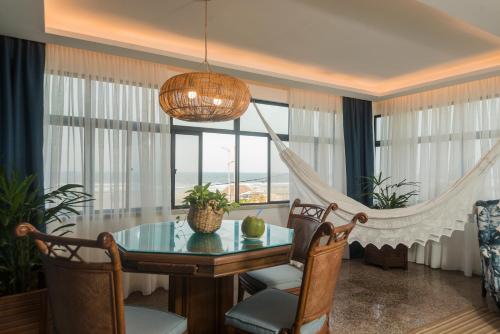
{"x":206,"y":28}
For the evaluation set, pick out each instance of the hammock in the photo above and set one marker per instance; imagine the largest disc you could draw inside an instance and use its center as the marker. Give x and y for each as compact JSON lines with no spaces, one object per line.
{"x":419,"y":223}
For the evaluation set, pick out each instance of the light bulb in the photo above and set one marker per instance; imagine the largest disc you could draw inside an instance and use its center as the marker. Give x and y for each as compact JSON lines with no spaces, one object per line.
{"x":217,"y":101}
{"x":192,"y":94}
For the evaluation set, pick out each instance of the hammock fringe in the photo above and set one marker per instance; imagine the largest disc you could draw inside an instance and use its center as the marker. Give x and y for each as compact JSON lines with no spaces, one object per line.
{"x":420,"y":223}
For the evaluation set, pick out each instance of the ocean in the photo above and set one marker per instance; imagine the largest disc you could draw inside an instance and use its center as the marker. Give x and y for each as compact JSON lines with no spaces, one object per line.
{"x":223,"y":178}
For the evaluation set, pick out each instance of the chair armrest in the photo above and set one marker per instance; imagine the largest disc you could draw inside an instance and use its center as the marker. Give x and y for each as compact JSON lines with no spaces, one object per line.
{"x":343,"y":231}
{"x":359,"y":217}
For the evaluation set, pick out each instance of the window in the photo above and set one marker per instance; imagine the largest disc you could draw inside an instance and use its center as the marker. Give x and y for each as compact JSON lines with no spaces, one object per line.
{"x":237,"y":157}
{"x":186,"y":155}
{"x":111,"y":138}
{"x":469,"y":136}
{"x":279,"y":176}
{"x":219,"y":162}
{"x":253,"y":169}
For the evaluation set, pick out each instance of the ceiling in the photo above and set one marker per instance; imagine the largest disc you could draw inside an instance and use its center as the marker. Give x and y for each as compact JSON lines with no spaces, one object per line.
{"x":374,"y":48}
{"x":484,"y":14}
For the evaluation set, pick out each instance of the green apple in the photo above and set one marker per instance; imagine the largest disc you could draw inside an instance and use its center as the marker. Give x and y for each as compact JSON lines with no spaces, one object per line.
{"x":253,"y":227}
{"x":251,"y":244}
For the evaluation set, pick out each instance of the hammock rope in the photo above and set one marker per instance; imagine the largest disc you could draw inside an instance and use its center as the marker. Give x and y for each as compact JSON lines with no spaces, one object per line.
{"x":419,"y":223}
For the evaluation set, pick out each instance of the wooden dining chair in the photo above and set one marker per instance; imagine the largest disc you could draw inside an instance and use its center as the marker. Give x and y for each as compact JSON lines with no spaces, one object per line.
{"x":277,"y":311}
{"x":87,"y":297}
{"x":304,"y":219}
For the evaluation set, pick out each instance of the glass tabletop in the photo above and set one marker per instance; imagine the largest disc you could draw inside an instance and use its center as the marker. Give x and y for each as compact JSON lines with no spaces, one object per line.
{"x":178,"y":238}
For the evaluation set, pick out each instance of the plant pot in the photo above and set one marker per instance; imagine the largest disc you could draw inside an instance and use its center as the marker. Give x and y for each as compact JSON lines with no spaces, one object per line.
{"x":204,"y":220}
{"x":205,"y":243}
{"x":24,"y":312}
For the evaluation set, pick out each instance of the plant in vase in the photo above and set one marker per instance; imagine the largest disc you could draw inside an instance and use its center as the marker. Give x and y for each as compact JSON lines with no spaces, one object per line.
{"x":206,"y":208}
{"x":387,"y":195}
{"x":21,"y":201}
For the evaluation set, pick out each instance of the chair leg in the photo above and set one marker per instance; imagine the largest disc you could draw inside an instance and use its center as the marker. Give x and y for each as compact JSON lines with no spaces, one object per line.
{"x":241,"y":292}
{"x":325,"y":329}
{"x":483,"y":288}
{"x":295,"y":291}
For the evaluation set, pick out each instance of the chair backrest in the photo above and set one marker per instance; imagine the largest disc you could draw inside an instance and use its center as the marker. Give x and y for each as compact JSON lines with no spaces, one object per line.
{"x":488,"y":220}
{"x":321,"y":272}
{"x":304,"y":219}
{"x":84,"y":297}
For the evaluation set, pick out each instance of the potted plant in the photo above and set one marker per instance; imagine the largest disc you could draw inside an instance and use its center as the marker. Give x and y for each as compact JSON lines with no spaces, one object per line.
{"x":206,"y":208}
{"x":387,"y":195}
{"x":22,"y":297}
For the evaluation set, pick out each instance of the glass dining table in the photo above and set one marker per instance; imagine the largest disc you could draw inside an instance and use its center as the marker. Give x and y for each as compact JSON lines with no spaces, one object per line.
{"x":201,"y":267}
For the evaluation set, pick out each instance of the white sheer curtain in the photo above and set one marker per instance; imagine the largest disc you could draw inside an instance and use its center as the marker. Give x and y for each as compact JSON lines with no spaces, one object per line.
{"x":317,"y":136}
{"x":434,"y":138}
{"x":104,"y":129}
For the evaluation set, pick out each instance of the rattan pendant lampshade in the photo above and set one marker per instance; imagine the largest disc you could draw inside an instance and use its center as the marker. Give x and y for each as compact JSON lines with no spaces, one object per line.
{"x":204,"y":96}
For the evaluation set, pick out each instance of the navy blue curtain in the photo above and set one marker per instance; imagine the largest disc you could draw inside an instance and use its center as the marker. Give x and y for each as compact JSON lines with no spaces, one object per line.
{"x":21,"y":107}
{"x":359,"y":146}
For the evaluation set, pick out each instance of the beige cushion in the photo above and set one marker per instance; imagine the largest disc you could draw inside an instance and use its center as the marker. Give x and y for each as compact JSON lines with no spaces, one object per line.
{"x":281,"y":277}
{"x":267,"y":312}
{"x":141,"y":320}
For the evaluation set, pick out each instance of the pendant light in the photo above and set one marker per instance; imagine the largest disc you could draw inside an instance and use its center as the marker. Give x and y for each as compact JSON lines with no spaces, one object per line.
{"x":204,"y":96}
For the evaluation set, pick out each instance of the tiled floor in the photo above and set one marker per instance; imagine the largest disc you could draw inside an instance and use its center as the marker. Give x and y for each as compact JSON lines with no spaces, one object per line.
{"x":371,"y":300}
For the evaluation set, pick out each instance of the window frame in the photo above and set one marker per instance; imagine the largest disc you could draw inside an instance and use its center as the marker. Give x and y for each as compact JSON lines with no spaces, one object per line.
{"x":377,"y":143}
{"x":198,"y":131}
{"x":375,"y":119}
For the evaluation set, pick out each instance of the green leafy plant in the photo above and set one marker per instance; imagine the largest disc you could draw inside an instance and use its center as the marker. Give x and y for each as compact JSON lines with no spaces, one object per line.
{"x":388,"y":195}
{"x":21,"y":201}
{"x":201,"y":197}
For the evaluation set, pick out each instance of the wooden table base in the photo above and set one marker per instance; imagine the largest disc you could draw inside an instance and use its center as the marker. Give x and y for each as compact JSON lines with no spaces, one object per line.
{"x":203,"y":300}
